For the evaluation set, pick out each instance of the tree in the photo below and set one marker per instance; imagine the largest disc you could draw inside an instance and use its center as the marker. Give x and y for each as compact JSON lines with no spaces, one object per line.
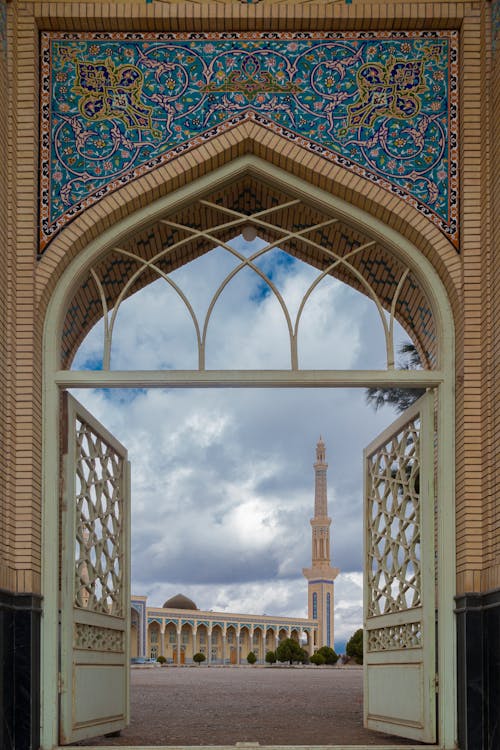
{"x":354,"y":646}
{"x":400,"y":398}
{"x":317,"y":659}
{"x":289,"y":650}
{"x":271,"y":657}
{"x":328,"y":654}
{"x":251,"y":658}
{"x":161,"y":660}
{"x":199,"y":657}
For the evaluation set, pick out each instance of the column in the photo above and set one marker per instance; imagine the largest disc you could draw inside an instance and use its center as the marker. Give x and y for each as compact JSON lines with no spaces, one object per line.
{"x":195,"y":632}
{"x":224,"y":647}
{"x":209,"y":646}
{"x":238,"y":646}
{"x":310,"y":642}
{"x":162,"y":639}
{"x":178,"y":646}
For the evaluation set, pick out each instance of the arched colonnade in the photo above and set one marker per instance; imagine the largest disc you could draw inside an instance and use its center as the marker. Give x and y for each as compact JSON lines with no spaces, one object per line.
{"x":177,"y":639}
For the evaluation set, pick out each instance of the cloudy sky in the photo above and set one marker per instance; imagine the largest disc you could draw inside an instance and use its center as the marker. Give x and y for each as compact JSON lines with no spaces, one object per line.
{"x":222,"y":479}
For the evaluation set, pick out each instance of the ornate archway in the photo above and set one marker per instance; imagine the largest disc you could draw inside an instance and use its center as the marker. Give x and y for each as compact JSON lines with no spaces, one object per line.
{"x":334,"y":237}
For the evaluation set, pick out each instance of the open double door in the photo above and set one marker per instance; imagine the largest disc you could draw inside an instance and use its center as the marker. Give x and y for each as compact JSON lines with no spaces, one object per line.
{"x":399,"y":580}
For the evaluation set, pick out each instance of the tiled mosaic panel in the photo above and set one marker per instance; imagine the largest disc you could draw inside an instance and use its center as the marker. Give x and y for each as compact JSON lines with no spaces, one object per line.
{"x":393,"y":517}
{"x":99,"y":547}
{"x":3,"y":29}
{"x":118,"y":105}
{"x":495,"y":25}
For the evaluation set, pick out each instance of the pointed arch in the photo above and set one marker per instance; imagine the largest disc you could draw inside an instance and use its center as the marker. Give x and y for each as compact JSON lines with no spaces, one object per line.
{"x":426,"y":255}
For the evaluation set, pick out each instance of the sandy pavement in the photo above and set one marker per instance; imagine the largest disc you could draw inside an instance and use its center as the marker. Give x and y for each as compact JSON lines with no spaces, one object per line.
{"x":270,"y":705}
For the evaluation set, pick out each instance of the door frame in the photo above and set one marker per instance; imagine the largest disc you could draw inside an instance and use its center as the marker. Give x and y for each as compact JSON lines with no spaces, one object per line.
{"x":442,"y":379}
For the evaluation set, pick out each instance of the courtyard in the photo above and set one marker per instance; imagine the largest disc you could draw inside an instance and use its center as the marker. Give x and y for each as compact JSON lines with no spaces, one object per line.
{"x":269,"y":705}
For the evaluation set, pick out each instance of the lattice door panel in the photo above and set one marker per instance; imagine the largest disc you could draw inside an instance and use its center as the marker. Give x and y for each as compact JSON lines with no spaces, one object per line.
{"x":399,"y":598}
{"x":394,"y":522}
{"x":95,"y":581}
{"x":99,"y":523}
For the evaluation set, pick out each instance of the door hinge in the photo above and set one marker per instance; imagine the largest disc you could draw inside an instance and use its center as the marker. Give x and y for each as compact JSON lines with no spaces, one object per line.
{"x":59,"y":683}
{"x":436,"y":683}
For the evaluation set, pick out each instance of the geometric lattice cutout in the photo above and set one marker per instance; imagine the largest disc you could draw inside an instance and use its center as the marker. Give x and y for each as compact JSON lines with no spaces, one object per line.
{"x":99,"y":513}
{"x":393,"y":517}
{"x":393,"y":637}
{"x":98,"y":639}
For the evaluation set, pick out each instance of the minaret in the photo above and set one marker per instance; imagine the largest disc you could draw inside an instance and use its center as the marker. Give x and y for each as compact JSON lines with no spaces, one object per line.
{"x":321,"y":575}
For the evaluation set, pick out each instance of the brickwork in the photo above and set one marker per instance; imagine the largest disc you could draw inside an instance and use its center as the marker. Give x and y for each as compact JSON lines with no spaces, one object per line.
{"x":491,"y":573}
{"x":469,"y":365}
{"x":469,"y":277}
{"x":6,"y":519}
{"x":27,"y":330}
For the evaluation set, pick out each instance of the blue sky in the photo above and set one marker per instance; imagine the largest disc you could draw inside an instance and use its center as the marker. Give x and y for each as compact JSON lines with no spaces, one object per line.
{"x":222,"y":480}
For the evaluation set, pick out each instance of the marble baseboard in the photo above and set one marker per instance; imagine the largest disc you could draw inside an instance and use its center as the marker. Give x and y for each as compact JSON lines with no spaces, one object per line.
{"x":478,"y":670}
{"x":19,"y":671}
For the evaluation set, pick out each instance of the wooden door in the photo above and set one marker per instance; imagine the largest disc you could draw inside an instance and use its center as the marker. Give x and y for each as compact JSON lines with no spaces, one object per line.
{"x":95,"y":581}
{"x":399,"y":582}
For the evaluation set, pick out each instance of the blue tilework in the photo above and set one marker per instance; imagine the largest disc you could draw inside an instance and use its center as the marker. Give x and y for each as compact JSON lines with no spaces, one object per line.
{"x":3,"y":29}
{"x":117,"y":105}
{"x":140,"y":607}
{"x":495,"y":25}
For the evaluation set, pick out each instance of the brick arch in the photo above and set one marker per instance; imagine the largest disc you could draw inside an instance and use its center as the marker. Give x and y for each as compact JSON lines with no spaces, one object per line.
{"x":98,"y":221}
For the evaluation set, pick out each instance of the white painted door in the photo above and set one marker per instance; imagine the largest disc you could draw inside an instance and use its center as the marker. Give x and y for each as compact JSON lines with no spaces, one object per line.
{"x":95,"y":580}
{"x":400,"y":678}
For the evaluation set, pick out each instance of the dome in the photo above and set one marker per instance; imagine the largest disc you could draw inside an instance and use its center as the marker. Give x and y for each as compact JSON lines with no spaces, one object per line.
{"x":179,"y":601}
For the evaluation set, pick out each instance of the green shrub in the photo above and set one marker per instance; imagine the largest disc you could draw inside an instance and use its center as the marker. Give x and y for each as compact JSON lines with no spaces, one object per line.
{"x":161,"y":660}
{"x":317,"y":659}
{"x":289,"y":650}
{"x":354,"y":647}
{"x":271,"y":657}
{"x":199,"y":657}
{"x":251,"y":658}
{"x":328,"y":654}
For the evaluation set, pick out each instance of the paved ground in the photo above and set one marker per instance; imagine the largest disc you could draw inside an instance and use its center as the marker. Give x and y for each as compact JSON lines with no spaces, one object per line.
{"x":270,"y":705}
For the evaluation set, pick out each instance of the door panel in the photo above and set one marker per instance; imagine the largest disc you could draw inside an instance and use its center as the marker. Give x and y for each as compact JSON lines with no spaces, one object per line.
{"x":399,"y":588}
{"x":95,"y":580}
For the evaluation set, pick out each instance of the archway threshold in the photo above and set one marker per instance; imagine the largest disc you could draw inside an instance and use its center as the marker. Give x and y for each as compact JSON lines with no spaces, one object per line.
{"x":254,"y":745}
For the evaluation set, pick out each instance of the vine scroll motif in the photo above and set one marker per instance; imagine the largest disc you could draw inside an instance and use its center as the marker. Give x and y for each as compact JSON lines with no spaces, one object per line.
{"x":118,"y":105}
{"x":99,"y":500}
{"x":393,"y":516}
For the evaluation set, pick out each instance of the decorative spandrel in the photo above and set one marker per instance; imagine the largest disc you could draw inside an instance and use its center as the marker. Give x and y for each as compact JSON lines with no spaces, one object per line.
{"x":118,"y":105}
{"x":393,"y":521}
{"x":99,"y":553}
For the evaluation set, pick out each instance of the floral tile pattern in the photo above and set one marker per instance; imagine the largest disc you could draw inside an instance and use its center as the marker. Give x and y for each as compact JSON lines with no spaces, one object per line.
{"x":117,"y":105}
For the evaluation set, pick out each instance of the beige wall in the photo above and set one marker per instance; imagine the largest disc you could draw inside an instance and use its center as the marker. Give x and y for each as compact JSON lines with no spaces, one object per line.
{"x":472,"y":278}
{"x":6,"y":518}
{"x":491,"y":279}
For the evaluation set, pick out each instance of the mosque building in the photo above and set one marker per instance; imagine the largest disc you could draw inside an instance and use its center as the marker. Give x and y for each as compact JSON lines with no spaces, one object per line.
{"x":178,"y":630}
